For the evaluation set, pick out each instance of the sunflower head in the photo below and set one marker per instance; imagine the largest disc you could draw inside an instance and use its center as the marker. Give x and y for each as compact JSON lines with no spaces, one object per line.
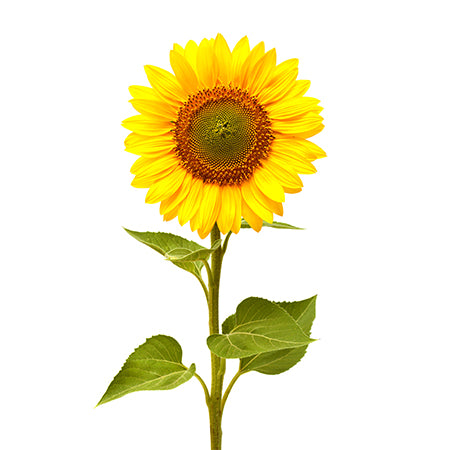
{"x":224,"y":136}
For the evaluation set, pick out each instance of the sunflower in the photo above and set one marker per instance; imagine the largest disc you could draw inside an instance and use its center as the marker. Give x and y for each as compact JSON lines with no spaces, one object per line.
{"x":224,"y":136}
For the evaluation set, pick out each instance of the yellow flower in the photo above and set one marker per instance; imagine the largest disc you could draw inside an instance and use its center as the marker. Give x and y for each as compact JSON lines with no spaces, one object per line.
{"x":224,"y":137}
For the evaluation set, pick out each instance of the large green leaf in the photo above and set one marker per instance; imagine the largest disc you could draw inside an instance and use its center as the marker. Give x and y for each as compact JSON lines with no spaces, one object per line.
{"x":155,"y":365}
{"x":279,"y":225}
{"x":260,"y":326}
{"x":165,"y":243}
{"x":304,"y":312}
{"x":184,"y":254}
{"x":272,"y":363}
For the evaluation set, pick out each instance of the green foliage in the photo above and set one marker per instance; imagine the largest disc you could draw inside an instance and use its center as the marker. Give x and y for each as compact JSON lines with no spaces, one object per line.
{"x":279,"y":225}
{"x":272,"y":363}
{"x":228,"y":324}
{"x":181,"y":252}
{"x":304,"y":312}
{"x":155,"y":365}
{"x":259,"y":326}
{"x":184,"y":254}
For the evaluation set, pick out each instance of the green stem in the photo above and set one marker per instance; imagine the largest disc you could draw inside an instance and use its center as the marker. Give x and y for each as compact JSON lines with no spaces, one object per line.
{"x":205,"y":388}
{"x":225,"y":243}
{"x":205,"y":289}
{"x":230,"y":386}
{"x":217,"y":363}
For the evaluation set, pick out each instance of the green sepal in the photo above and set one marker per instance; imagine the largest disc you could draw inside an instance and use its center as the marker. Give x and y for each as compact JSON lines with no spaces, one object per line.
{"x":165,"y":243}
{"x":279,"y":225}
{"x":259,"y":326}
{"x":272,"y":363}
{"x":155,"y":365}
{"x":184,"y":254}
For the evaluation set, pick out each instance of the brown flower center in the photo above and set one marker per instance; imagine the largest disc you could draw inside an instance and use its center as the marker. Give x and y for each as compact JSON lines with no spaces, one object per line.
{"x":222,"y":134}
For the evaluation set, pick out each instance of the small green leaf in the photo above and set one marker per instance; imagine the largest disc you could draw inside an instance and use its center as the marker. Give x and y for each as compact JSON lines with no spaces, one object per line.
{"x":260,"y":326}
{"x":164,"y":243}
{"x":279,"y":225}
{"x":272,"y":363}
{"x":184,"y":254}
{"x":155,"y":365}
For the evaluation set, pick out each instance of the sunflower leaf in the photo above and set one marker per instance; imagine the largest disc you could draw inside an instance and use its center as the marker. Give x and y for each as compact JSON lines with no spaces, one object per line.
{"x":260,"y":326}
{"x":279,"y":225}
{"x":164,"y":243}
{"x":275,"y":362}
{"x":155,"y":365}
{"x":184,"y":254}
{"x":228,"y":324}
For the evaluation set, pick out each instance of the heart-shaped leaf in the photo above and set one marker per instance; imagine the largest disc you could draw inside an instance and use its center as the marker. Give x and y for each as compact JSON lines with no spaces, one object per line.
{"x":164,"y":243}
{"x":260,"y":326}
{"x":155,"y":365}
{"x":272,"y":363}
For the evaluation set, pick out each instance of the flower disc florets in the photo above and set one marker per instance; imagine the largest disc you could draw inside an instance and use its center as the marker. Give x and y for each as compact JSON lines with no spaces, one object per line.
{"x":222,"y":134}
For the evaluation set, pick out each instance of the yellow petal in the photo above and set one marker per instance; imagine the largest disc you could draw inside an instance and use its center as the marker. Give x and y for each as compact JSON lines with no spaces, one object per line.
{"x":147,"y":166}
{"x":143,"y":92}
{"x":239,"y":55}
{"x":147,"y":126}
{"x":209,"y":208}
{"x":190,"y":53}
{"x":297,"y":148}
{"x":305,"y":123}
{"x":151,"y":150}
{"x":176,"y":198}
{"x":269,"y":204}
{"x":296,"y":91}
{"x":140,"y":145}
{"x":269,"y":185}
{"x":296,"y":164}
{"x":236,"y":226}
{"x":178,"y":48}
{"x":207,"y":64}
{"x":223,"y":54}
{"x":195,"y":222}
{"x":282,"y":82}
{"x":171,"y":214}
{"x":292,"y":190}
{"x":292,"y":108}
{"x":284,"y":175}
{"x":166,"y":187}
{"x":227,"y":210}
{"x":292,"y":159}
{"x":191,"y":203}
{"x":262,"y":72}
{"x":146,"y":180}
{"x":154,"y":107}
{"x":311,"y":132}
{"x":184,"y":72}
{"x":249,"y":64}
{"x":312,"y":148}
{"x":203,"y":232}
{"x":252,"y":219}
{"x":252,"y":202}
{"x":301,"y":87}
{"x":165,"y":83}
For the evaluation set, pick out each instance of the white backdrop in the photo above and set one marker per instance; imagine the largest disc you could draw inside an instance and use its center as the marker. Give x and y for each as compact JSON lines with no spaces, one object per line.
{"x":78,"y":294}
